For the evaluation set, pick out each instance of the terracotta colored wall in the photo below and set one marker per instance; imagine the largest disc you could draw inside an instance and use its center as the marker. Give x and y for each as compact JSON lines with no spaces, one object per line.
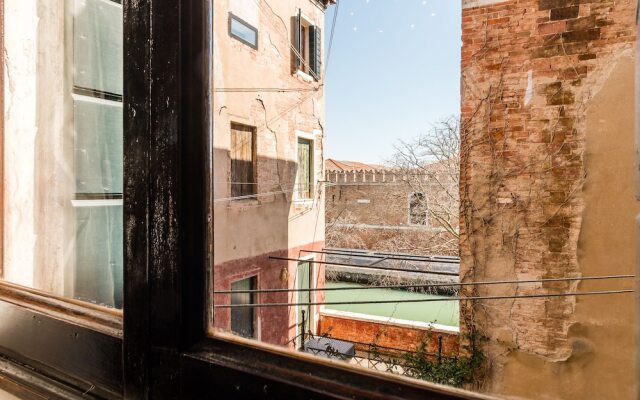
{"x":275,"y":325}
{"x":547,"y":190}
{"x":387,"y":335}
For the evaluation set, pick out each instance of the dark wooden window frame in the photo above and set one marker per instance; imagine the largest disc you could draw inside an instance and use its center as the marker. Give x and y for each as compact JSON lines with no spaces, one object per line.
{"x":63,"y":349}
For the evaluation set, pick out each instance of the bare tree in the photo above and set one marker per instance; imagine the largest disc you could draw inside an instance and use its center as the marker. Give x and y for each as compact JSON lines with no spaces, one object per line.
{"x":419,"y":197}
{"x":430,"y":164}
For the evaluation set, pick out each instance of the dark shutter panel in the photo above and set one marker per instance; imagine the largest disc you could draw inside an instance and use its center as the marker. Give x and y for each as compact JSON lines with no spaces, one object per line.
{"x":242,"y":161}
{"x":297,"y":37}
{"x":315,"y":50}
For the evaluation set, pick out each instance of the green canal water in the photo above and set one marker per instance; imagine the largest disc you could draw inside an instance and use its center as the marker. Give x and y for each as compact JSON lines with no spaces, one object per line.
{"x":439,"y":312}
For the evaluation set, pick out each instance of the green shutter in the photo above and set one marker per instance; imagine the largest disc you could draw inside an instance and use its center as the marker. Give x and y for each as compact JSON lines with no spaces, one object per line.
{"x":315,"y":50}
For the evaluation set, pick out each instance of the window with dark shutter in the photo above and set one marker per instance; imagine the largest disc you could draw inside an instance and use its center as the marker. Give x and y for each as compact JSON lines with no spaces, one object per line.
{"x":243,"y":318}
{"x":315,"y":50}
{"x":242,"y":160}
{"x":307,"y":52}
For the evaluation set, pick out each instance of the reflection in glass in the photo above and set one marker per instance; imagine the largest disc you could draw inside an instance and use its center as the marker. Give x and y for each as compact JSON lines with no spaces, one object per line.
{"x":63,"y":148}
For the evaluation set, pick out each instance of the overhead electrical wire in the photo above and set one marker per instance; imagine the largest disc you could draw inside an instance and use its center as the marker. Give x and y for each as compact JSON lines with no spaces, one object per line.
{"x":432,"y":300}
{"x":258,"y":90}
{"x":445,"y":273}
{"x":261,"y":194}
{"x":430,"y":285}
{"x":333,"y":27}
{"x":384,"y":256}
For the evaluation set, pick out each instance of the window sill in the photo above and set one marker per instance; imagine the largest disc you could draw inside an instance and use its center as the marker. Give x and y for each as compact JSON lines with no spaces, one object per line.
{"x":303,"y":201}
{"x":91,"y":316}
{"x":304,"y":76}
{"x":269,"y":371}
{"x":244,"y":204}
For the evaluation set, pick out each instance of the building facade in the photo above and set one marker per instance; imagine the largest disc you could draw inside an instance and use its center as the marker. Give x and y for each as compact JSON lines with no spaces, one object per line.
{"x":547,"y":192}
{"x":378,"y":208}
{"x":268,"y":107}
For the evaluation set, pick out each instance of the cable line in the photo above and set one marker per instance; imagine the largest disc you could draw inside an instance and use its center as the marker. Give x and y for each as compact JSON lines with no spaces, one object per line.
{"x":366,"y":266}
{"x":430,"y":285}
{"x":459,"y":298}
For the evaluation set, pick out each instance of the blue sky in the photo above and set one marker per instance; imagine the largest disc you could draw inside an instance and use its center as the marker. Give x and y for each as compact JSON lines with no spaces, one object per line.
{"x":394,"y":69}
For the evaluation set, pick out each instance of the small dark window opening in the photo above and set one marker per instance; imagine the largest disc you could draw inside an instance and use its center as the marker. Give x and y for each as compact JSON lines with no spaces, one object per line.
{"x":418,"y":209}
{"x":243,"y":160}
{"x":243,"y":319}
{"x":243,"y":31}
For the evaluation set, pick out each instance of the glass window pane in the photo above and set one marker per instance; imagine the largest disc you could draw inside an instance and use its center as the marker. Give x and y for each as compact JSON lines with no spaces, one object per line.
{"x":97,"y":41}
{"x":99,"y":262}
{"x":98,"y":145}
{"x":62,"y":148}
{"x":244,"y":31}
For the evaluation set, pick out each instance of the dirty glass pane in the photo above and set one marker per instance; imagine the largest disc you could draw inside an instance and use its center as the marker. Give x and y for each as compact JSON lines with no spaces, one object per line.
{"x":99,"y":261}
{"x":62,"y":148}
{"x":97,"y":41}
{"x":98,"y":145}
{"x":243,"y":31}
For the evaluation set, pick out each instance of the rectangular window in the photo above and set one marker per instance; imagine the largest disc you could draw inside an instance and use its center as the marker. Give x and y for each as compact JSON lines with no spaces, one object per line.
{"x":243,"y":31}
{"x":63,"y":144}
{"x":242,"y":153}
{"x":308,"y":47}
{"x":243,"y":319}
{"x":304,"y":297}
{"x":417,"y":209}
{"x":305,"y":169}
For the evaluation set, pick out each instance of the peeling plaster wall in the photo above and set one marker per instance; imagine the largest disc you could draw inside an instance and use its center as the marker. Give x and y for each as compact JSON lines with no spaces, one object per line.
{"x":547,"y":191}
{"x":250,"y":227}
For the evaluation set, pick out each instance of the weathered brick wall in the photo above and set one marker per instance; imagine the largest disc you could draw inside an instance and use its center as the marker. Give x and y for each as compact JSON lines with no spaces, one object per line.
{"x":530,"y":72}
{"x":392,"y":336}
